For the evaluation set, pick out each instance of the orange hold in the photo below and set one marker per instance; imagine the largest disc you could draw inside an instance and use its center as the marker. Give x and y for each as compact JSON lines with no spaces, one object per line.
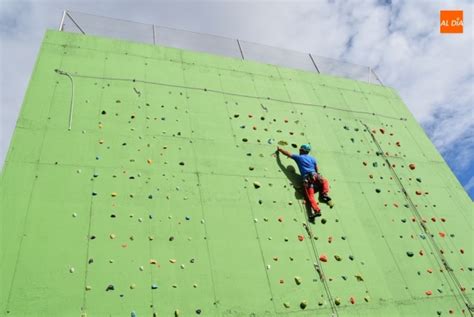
{"x":462,"y":251}
{"x":300,"y":237}
{"x":149,"y":161}
{"x":329,"y":239}
{"x":352,"y":300}
{"x":323,"y":258}
{"x":429,"y":293}
{"x":418,"y":192}
{"x":442,"y":234}
{"x":398,"y":143}
{"x":280,"y":219}
{"x":433,"y":219}
{"x":429,"y":271}
{"x":443,"y":219}
{"x":412,"y":166}
{"x":421,"y":253}
{"x":382,"y":130}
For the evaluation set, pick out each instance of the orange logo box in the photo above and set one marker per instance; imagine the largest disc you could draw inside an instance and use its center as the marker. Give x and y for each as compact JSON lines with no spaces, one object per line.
{"x":451,"y":21}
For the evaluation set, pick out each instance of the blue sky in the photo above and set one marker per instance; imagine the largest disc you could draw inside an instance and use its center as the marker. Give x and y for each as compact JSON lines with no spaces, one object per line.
{"x":433,"y":72}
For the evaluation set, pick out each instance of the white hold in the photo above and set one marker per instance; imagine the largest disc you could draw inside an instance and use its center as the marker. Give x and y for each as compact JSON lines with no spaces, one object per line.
{"x":255,"y":220}
{"x":268,"y":266}
{"x":74,"y":214}
{"x":71,"y":270}
{"x":141,"y":268}
{"x":140,"y":219}
{"x":182,"y":266}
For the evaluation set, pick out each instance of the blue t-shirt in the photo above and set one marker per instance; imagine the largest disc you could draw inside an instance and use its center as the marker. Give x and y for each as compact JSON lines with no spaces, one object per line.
{"x":305,"y":162}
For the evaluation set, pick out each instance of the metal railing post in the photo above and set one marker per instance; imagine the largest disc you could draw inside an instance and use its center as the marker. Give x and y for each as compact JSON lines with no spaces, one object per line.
{"x":240,"y":49}
{"x":61,"y":25}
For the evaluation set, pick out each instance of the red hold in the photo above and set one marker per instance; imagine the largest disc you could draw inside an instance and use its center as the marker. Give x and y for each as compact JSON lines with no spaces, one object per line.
{"x":300,"y":237}
{"x":323,"y":258}
{"x":412,"y":166}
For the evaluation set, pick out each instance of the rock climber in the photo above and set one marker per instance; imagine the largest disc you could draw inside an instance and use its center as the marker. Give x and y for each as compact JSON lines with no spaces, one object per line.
{"x":312,"y":180}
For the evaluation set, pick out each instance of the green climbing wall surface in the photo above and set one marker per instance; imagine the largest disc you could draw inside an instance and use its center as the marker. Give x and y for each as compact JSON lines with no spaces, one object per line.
{"x":165,"y":197}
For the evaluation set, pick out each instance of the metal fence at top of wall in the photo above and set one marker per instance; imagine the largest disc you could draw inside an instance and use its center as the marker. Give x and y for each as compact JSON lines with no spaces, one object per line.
{"x":157,"y":35}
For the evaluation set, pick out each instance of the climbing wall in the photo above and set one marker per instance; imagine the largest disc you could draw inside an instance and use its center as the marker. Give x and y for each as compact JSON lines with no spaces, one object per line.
{"x":143,"y":181}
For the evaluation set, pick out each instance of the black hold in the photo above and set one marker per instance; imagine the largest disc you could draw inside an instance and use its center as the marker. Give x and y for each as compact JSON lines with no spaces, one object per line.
{"x":260,"y":202}
{"x":91,"y":260}
{"x":244,"y":140}
{"x":377,"y":190}
{"x":181,"y":163}
{"x":351,"y":257}
{"x":92,"y":237}
{"x":110,"y":287}
{"x":323,"y":221}
{"x":410,"y":254}
{"x":113,"y":216}
{"x":198,"y":311}
{"x":294,"y":145}
{"x":150,"y":196}
{"x":94,"y":194}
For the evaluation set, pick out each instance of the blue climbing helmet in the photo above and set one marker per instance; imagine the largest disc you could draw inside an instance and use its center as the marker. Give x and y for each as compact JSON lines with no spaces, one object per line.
{"x":305,"y":147}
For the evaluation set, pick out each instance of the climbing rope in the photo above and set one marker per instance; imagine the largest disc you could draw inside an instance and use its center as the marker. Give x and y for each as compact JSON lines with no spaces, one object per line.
{"x":417,"y":214}
{"x":61,"y":72}
{"x":319,"y":269}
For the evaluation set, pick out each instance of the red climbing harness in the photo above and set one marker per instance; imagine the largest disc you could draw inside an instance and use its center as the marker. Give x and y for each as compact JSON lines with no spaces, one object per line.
{"x":316,"y":183}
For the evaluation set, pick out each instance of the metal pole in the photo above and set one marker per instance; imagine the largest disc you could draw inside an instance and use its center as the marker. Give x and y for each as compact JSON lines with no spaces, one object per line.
{"x":61,"y":25}
{"x":369,"y":75}
{"x":70,"y":17}
{"x":240,"y":49}
{"x":154,"y":41}
{"x":314,"y":63}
